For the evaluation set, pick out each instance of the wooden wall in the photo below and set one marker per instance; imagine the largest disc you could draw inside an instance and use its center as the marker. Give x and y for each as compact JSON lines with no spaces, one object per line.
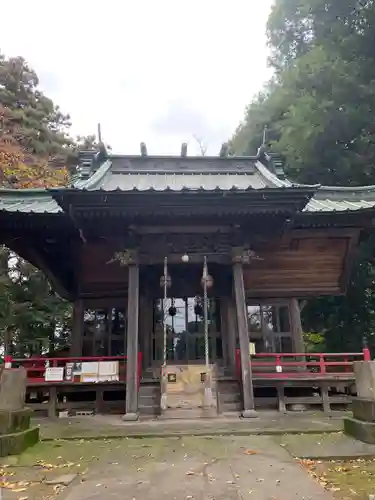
{"x":303,"y":263}
{"x":301,"y":266}
{"x":97,"y":274}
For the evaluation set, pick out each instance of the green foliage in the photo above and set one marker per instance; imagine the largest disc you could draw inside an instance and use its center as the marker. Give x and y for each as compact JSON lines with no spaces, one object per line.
{"x":35,"y":122}
{"x":32,"y":317}
{"x":314,"y":342}
{"x":34,"y":151}
{"x":319,"y":112}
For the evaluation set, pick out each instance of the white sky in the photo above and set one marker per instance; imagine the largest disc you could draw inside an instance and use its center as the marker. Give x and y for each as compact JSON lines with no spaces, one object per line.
{"x":158,"y":71}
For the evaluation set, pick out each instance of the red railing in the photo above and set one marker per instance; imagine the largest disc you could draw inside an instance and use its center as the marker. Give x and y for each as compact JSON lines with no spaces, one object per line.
{"x":293,"y":365}
{"x":36,"y":366}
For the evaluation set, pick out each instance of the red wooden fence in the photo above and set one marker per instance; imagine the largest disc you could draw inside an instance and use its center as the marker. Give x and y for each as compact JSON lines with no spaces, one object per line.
{"x":308,"y":365}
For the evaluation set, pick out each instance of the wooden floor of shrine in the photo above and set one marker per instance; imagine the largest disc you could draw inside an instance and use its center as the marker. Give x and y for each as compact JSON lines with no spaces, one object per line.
{"x":319,"y":393}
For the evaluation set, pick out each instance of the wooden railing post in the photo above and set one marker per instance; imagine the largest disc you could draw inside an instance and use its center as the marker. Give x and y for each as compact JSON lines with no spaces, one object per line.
{"x":366,"y":354}
{"x":322,"y":365}
{"x":8,"y":361}
{"x":278,"y":367}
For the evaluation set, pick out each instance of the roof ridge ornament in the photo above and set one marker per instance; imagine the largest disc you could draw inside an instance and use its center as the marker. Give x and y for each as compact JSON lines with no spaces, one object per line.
{"x":89,"y":160}
{"x":184,"y":147}
{"x":224,"y":150}
{"x":273,"y":161}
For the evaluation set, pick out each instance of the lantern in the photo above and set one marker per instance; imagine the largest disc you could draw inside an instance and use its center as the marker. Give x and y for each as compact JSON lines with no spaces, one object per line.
{"x":185,"y":258}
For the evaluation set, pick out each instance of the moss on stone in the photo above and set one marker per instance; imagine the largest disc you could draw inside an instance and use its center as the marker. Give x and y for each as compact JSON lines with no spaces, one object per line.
{"x":14,"y":420}
{"x":17,"y":442}
{"x":364,"y":431}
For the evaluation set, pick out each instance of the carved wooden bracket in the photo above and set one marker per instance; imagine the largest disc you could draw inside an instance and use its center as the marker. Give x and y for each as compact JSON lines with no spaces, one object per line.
{"x":244,"y":255}
{"x":126,"y":257}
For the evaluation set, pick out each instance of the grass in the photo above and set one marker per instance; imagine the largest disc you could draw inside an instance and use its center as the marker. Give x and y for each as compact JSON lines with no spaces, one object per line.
{"x":347,"y":480}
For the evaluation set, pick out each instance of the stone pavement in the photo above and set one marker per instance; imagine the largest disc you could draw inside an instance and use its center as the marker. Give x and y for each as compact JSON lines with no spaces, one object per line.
{"x":336,"y":446}
{"x":199,"y":468}
{"x":269,"y":422}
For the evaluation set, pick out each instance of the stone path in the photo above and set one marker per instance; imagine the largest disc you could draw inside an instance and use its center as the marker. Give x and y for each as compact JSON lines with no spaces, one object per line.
{"x":269,"y":422}
{"x":335,"y":446}
{"x":199,"y":468}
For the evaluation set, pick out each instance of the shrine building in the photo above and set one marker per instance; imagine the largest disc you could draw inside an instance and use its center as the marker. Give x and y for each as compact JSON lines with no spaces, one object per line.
{"x":135,"y":243}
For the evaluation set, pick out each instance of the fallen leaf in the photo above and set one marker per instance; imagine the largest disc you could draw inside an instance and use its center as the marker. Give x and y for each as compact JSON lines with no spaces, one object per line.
{"x":250,"y":452}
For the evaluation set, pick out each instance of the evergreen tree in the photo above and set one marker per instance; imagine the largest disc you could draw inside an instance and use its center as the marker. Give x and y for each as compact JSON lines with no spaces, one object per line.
{"x":319,"y":112}
{"x":34,"y":151}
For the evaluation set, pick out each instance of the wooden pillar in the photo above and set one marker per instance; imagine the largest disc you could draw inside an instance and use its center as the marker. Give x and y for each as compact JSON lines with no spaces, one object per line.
{"x":142,"y":325}
{"x":147,"y":331}
{"x":131,"y":411}
{"x":247,"y":382}
{"x":77,"y":329}
{"x":296,"y":326}
{"x":224,"y":331}
{"x":229,"y":312}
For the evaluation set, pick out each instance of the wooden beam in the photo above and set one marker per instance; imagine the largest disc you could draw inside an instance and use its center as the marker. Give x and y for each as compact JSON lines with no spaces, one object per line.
{"x":349,"y":259}
{"x":37,"y":260}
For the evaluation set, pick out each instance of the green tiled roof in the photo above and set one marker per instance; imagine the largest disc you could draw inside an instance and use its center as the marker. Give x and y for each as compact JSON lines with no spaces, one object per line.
{"x":342,"y":199}
{"x":121,"y":173}
{"x":177,"y":174}
{"x":38,"y":201}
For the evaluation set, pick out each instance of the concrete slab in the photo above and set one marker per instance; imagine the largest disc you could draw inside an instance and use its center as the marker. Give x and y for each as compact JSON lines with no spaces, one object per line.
{"x":217,"y":468}
{"x":336,"y":446}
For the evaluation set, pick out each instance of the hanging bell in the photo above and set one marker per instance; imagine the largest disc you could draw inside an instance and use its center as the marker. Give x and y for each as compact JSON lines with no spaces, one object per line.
{"x":172,"y":311}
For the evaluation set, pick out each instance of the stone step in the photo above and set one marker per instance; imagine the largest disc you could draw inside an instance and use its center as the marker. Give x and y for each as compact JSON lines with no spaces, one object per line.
{"x":188,"y":413}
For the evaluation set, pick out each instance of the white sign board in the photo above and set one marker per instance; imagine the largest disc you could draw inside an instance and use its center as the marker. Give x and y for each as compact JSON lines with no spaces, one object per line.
{"x":54,"y":374}
{"x":108,"y":371}
{"x":90,"y":371}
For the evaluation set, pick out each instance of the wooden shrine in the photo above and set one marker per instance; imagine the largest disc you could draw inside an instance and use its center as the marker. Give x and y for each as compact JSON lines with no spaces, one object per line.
{"x":268,"y":242}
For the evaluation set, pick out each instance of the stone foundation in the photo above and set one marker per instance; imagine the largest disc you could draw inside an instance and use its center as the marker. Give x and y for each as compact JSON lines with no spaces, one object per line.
{"x":15,"y":432}
{"x":14,"y":421}
{"x":17,"y":442}
{"x":364,"y":431}
{"x":363,"y":409}
{"x":362,"y":425}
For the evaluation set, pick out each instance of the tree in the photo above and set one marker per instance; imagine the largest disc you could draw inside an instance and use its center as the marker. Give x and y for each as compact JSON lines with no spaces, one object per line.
{"x":319,"y":111}
{"x":34,"y":151}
